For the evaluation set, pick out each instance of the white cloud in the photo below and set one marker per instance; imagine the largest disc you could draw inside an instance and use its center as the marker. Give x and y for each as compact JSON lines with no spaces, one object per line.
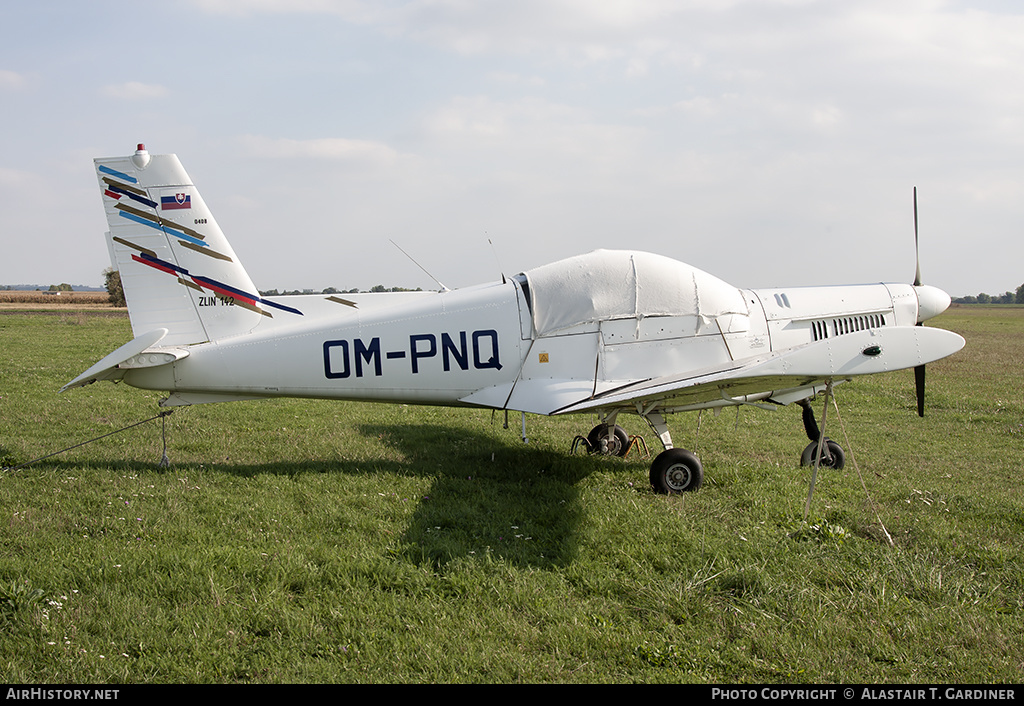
{"x":533,"y":134}
{"x":351,"y":10}
{"x":826,"y":116}
{"x":516,"y":79}
{"x":16,"y":178}
{"x":364,"y":153}
{"x":134,"y":91}
{"x":12,"y":80}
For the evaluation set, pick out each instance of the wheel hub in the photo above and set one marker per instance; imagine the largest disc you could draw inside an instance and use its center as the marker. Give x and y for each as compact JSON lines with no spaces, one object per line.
{"x":678,"y":477}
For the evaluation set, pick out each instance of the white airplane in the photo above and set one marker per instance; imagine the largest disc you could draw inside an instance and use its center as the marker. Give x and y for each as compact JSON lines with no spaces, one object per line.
{"x":609,"y":332}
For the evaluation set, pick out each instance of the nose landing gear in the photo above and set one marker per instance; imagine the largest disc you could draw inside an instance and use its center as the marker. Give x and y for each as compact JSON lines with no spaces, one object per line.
{"x":832,"y":454}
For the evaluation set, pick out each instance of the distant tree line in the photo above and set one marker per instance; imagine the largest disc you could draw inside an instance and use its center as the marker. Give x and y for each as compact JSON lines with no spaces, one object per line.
{"x":1005,"y":298}
{"x":334,"y":290}
{"x":62,"y":287}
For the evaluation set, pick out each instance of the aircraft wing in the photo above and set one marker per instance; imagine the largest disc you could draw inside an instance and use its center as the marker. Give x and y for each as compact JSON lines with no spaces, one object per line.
{"x":861,"y":353}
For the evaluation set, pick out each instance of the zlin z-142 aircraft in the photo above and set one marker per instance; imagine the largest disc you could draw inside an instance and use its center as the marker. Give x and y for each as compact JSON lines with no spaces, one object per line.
{"x":607,"y":333}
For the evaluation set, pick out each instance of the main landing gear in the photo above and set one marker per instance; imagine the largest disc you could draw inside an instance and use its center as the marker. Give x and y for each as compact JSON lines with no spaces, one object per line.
{"x":676,"y":471}
{"x":608,"y":440}
{"x":680,"y":471}
{"x":673,"y":470}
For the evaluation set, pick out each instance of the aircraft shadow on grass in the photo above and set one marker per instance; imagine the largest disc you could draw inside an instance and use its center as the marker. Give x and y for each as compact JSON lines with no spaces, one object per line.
{"x":490,"y":498}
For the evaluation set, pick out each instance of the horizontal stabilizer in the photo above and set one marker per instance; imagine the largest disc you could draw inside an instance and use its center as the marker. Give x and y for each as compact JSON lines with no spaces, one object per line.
{"x":112,"y":366}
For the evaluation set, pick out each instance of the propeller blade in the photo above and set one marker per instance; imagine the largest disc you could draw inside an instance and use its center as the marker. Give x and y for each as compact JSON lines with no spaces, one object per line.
{"x":917,"y":248}
{"x":919,"y":384}
{"x":919,"y":370}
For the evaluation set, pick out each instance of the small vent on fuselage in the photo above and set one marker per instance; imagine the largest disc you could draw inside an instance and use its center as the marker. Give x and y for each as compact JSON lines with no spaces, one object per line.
{"x":848,"y":324}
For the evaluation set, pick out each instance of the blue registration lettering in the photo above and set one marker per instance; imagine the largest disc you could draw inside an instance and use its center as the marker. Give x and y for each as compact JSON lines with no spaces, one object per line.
{"x":460,"y":354}
{"x":339,"y":355}
{"x":491,"y":350}
{"x":371,"y":354}
{"x":329,"y":369}
{"x":416,"y":353}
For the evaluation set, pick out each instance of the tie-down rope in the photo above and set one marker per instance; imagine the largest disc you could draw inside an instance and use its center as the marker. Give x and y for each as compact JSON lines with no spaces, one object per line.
{"x":164,"y":461}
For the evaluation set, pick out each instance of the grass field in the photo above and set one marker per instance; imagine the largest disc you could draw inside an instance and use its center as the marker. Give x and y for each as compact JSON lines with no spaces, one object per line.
{"x":297,"y":541}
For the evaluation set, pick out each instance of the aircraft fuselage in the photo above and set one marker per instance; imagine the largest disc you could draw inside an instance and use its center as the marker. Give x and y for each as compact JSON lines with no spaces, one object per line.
{"x":477,"y":347}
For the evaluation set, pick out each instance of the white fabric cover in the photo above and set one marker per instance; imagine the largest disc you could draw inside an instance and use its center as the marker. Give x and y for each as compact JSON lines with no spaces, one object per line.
{"x":619,"y":284}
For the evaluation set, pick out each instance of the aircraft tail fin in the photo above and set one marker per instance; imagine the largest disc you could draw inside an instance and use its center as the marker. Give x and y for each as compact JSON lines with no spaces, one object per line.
{"x":177,"y":269}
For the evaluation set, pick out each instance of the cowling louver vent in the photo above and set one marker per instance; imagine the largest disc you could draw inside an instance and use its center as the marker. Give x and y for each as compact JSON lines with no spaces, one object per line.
{"x":829,"y":328}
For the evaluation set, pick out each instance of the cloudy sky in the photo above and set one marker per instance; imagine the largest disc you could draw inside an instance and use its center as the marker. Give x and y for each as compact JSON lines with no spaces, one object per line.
{"x":770,"y":142}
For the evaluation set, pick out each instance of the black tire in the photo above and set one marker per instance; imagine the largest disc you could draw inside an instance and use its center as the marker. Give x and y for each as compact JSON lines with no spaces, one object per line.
{"x":676,"y":471}
{"x":835,"y":458}
{"x":608,"y":440}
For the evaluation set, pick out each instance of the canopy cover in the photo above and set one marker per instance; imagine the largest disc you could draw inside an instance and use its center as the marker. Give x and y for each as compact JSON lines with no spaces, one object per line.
{"x":619,"y":284}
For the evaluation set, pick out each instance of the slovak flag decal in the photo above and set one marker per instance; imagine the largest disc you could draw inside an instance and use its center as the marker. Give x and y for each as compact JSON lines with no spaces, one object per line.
{"x":178,"y":201}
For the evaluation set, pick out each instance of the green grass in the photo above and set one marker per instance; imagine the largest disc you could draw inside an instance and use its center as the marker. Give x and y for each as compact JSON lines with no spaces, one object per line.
{"x":298,"y":541}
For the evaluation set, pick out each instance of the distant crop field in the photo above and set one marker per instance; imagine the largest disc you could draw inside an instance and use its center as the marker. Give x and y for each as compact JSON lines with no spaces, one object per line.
{"x":313,"y":541}
{"x":68,"y":300}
